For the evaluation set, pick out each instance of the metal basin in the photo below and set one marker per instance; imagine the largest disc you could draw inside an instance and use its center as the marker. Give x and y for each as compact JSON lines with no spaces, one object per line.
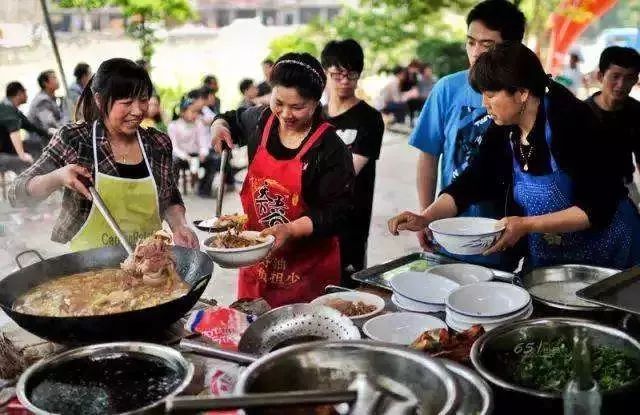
{"x":516,"y":336}
{"x":556,"y":286}
{"x":334,"y":365}
{"x":477,"y":396}
{"x":76,"y":395}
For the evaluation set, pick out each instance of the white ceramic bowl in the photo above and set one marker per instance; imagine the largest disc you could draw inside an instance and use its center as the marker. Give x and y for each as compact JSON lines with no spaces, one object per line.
{"x":488,"y":320}
{"x":366,"y":298}
{"x":400,"y":328}
{"x":488,"y":299}
{"x":408,"y":304}
{"x":466,"y":235}
{"x":239,"y":257}
{"x":458,"y":325}
{"x":463,"y":274}
{"x":423,"y":286}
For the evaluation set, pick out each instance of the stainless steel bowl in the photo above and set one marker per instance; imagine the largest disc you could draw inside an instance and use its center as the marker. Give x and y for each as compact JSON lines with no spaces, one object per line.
{"x":167,"y":355}
{"x":334,"y":365}
{"x":477,"y":396}
{"x":511,"y":337}
{"x":562,"y":282}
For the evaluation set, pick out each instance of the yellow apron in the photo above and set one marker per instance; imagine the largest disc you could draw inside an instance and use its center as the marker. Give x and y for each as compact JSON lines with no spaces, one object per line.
{"x":133,"y":203}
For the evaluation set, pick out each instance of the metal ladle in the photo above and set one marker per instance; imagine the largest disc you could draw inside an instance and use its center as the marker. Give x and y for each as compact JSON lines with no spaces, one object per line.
{"x":363,"y":394}
{"x":224,"y":160}
{"x":196,"y":404}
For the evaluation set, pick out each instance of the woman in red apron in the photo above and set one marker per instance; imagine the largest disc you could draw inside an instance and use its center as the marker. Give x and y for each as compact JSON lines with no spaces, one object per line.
{"x":298,"y":184}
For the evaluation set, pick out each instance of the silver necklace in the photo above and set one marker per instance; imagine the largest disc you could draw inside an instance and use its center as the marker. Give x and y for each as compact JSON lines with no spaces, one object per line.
{"x":527,"y":157}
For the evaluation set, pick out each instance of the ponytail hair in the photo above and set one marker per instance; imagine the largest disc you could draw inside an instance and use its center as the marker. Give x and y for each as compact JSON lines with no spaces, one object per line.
{"x":115,"y":79}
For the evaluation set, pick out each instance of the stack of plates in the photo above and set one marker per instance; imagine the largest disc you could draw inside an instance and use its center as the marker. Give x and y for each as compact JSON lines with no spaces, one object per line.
{"x":490,"y":304}
{"x":426,"y":292}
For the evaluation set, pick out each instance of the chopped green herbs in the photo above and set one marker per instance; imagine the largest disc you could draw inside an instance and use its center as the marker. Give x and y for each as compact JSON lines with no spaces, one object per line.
{"x":547,"y":366}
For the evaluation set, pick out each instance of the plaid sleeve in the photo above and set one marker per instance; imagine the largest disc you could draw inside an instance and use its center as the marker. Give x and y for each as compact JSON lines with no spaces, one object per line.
{"x":56,"y":154}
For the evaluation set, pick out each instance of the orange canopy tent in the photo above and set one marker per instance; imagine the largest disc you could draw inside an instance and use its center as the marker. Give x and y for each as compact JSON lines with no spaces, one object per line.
{"x":568,"y":22}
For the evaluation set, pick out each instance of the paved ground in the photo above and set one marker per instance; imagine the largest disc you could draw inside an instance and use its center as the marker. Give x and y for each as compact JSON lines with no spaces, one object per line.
{"x":395,"y":191}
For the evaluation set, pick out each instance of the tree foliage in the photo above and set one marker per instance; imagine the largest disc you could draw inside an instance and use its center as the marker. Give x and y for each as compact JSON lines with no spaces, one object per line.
{"x":419,"y":8}
{"x":141,"y":15}
{"x":389,"y":33}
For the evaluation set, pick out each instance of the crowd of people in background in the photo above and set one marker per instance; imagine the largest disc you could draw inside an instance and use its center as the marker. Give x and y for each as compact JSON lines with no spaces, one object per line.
{"x":406,"y":92}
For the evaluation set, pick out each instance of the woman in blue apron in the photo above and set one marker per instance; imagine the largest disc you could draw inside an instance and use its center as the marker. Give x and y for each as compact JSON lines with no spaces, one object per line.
{"x":130,"y":167}
{"x":546,"y":153}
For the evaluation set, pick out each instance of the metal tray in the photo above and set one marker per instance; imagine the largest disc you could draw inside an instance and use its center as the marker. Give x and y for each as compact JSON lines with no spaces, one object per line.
{"x":561,"y":283}
{"x":380,"y":275}
{"x":620,"y":291}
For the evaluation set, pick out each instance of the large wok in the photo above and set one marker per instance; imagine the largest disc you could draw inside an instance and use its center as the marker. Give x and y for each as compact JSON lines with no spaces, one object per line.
{"x":194,"y":267}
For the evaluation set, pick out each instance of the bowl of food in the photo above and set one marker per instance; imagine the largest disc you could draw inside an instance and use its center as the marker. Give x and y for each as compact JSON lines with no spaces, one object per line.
{"x":533,"y":358}
{"x":356,"y":305}
{"x":233,"y":249}
{"x":220,"y":224}
{"x":466,"y":235}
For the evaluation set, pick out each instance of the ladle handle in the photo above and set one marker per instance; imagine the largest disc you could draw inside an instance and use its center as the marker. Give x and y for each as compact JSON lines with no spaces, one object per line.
{"x":107,"y":216}
{"x":211,"y":351}
{"x":191,"y":404}
{"x":224,"y":159}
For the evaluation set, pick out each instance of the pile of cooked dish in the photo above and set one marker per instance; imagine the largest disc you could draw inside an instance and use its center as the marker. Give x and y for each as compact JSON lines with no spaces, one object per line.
{"x":350,"y":308}
{"x":230,"y":239}
{"x":548,"y":366}
{"x":233,"y":237}
{"x":439,"y":343}
{"x":148,"y":277}
{"x":235,"y":221}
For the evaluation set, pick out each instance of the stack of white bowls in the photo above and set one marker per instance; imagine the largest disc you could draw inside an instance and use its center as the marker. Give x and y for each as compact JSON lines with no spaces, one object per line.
{"x":490,"y":304}
{"x":426,"y":292}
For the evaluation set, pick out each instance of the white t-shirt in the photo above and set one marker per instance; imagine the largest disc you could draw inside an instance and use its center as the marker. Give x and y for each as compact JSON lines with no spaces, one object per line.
{"x":188,"y":138}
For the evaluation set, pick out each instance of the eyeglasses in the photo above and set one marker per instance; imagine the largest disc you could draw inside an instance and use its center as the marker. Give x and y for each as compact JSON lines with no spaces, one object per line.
{"x":338,"y":76}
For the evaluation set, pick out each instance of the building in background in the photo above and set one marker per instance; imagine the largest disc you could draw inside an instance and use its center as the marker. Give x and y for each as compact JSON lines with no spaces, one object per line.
{"x":219,"y":13}
{"x":211,"y":13}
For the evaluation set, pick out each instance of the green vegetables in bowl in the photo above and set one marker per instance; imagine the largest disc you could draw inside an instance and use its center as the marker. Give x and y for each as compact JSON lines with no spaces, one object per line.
{"x":548,"y":366}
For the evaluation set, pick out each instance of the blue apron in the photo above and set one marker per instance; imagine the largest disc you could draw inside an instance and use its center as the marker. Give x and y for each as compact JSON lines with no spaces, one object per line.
{"x":616,"y":246}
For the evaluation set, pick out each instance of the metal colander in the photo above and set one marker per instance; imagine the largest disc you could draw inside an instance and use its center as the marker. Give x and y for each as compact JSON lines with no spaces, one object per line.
{"x":296,"y":323}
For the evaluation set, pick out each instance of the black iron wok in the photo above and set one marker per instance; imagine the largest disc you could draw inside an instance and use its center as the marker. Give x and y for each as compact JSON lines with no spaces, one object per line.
{"x":194,"y":267}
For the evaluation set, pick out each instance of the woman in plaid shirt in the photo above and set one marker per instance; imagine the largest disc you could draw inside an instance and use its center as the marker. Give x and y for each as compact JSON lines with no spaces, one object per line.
{"x":130,"y":167}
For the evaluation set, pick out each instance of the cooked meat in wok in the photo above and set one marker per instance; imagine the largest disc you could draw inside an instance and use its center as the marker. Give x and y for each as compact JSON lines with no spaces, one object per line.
{"x":148,"y":277}
{"x":235,"y":221}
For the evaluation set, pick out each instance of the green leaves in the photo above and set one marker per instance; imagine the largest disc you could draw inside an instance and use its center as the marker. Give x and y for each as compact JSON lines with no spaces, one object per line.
{"x":549,"y":366}
{"x":419,"y":7}
{"x":139,"y":14}
{"x":391,"y":32}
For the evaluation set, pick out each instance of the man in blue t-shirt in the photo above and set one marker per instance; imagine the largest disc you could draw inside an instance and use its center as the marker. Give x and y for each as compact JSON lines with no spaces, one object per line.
{"x":453,"y":119}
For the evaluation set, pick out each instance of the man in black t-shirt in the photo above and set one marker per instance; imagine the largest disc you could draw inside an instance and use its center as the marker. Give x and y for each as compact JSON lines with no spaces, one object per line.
{"x":620,"y":114}
{"x":361,"y":128}
{"x":14,"y":153}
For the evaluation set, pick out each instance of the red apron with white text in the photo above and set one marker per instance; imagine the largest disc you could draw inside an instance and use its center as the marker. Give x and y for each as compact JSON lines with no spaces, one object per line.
{"x":272,"y":194}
